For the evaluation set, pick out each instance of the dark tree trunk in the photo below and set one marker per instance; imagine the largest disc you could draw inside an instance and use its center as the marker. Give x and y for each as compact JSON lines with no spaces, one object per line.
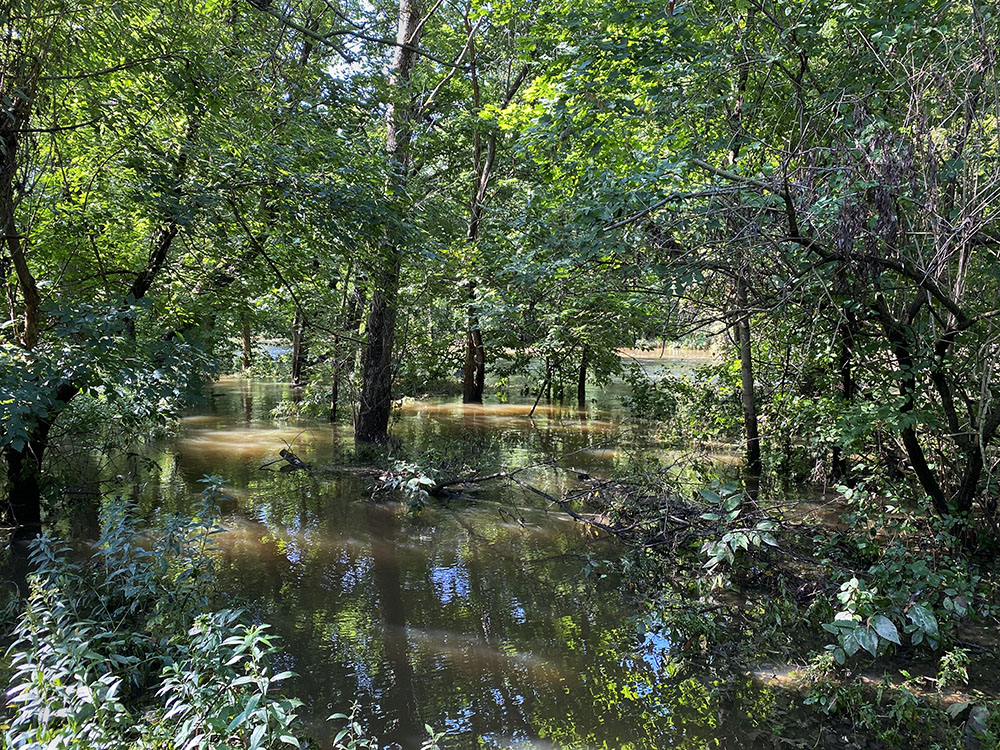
{"x":581,"y":381}
{"x":25,"y":482}
{"x":376,"y":383}
{"x":747,"y":391}
{"x":907,"y":390}
{"x":24,"y":488}
{"x":17,"y":90}
{"x":247,"y":342}
{"x":474,"y":370}
{"x":300,"y":350}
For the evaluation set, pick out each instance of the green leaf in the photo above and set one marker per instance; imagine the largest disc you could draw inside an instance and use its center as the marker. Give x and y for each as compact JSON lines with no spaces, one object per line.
{"x":957,"y":708}
{"x":710,"y":496}
{"x":851,"y":643}
{"x":868,"y":639}
{"x":923,"y":617}
{"x":885,"y":628}
{"x":257,"y":736}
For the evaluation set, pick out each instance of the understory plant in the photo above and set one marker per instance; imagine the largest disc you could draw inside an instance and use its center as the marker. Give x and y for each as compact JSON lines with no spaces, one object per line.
{"x":117,"y":647}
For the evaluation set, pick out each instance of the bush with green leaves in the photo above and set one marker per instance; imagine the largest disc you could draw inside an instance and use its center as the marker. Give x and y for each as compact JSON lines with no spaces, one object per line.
{"x":117,"y":648}
{"x":703,"y":405}
{"x":905,"y":594}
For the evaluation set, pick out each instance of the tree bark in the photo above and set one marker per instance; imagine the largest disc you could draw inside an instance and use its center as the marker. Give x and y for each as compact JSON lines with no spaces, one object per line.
{"x":300,"y":350}
{"x":474,"y":370}
{"x":247,"y":342}
{"x":25,"y":482}
{"x":376,"y":386}
{"x":581,"y":382}
{"x":747,"y":393}
{"x":17,"y":86}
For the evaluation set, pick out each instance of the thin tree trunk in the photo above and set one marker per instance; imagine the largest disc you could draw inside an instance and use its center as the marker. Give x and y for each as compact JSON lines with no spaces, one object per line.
{"x":17,"y":87}
{"x":581,"y":381}
{"x":845,"y":368}
{"x":376,"y":387}
{"x":483,"y":161}
{"x":747,"y":392}
{"x":344,"y":366}
{"x":247,"y":342}
{"x":299,"y":350}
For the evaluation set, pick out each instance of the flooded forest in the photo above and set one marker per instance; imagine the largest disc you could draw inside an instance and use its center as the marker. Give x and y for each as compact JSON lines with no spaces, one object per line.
{"x":453,"y":374}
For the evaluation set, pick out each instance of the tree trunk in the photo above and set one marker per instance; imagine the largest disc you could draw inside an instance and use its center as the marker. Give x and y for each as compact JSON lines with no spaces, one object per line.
{"x":376,"y":386}
{"x":581,"y":381}
{"x":344,"y":364}
{"x":24,"y":488}
{"x":747,"y":393}
{"x":25,"y":483}
{"x":483,"y":161}
{"x":300,"y":350}
{"x":376,"y":377}
{"x":17,"y":90}
{"x":247,"y":342}
{"x":474,"y":370}
{"x":845,"y":367}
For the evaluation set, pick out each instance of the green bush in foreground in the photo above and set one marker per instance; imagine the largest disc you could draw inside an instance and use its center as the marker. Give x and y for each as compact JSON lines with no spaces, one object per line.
{"x":118,"y":650}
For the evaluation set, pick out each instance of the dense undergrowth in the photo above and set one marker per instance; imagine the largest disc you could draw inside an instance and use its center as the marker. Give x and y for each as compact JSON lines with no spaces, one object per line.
{"x":120,"y":647}
{"x":875,"y":611}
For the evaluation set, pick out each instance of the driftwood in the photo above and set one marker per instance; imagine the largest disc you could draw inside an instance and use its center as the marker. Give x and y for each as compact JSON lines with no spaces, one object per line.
{"x":292,"y":462}
{"x":441,"y":489}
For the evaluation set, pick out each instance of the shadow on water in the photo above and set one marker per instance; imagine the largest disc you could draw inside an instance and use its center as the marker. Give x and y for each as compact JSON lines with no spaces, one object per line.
{"x":477,"y":623}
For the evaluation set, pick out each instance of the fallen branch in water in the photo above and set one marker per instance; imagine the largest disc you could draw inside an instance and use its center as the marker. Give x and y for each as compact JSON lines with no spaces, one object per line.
{"x":292,"y":462}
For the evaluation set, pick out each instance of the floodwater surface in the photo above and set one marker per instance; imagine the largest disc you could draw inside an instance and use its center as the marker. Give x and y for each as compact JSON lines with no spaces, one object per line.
{"x":475,"y":618}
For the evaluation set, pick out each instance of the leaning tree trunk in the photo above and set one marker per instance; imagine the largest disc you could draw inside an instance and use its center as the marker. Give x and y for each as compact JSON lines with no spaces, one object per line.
{"x":376,"y":385}
{"x":25,"y":481}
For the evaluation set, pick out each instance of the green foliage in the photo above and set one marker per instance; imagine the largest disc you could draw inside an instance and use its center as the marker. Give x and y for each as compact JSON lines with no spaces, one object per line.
{"x":701,"y":406}
{"x":905,"y":595}
{"x":408,"y":479}
{"x":116,"y":649}
{"x":727,"y":501}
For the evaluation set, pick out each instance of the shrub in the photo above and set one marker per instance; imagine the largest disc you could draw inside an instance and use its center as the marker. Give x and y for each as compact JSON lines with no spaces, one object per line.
{"x":117,"y":649}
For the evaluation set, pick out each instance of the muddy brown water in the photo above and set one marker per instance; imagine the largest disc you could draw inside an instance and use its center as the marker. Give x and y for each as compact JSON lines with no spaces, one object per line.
{"x":475,"y":618}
